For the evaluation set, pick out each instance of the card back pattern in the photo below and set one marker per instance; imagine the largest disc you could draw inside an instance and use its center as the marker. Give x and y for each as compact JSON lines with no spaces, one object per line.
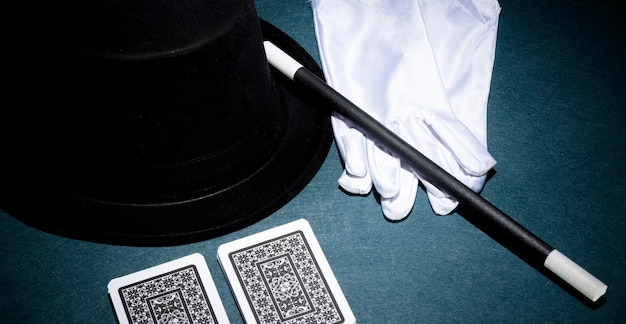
{"x":177,"y":296}
{"x":283,"y":282}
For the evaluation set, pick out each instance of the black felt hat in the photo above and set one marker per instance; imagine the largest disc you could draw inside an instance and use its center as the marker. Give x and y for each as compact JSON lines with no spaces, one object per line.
{"x":151,"y":122}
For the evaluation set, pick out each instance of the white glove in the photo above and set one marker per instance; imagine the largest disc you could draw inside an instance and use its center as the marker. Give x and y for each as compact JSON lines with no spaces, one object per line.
{"x":423,"y":69}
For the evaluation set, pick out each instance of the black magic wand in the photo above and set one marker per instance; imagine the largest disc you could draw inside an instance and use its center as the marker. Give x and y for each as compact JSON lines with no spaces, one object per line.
{"x":498,"y":224}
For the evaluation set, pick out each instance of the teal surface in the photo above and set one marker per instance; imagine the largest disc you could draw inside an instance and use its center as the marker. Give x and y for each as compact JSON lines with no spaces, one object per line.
{"x":555,"y":123}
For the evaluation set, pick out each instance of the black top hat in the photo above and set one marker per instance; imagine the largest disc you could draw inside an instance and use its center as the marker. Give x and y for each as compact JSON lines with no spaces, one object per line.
{"x":151,"y":122}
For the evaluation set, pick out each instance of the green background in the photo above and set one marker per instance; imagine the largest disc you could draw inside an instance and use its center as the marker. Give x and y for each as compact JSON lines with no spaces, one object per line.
{"x":555,"y":118}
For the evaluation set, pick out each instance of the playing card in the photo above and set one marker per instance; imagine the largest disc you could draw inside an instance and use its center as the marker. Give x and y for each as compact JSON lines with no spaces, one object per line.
{"x":179,"y":291}
{"x":282,"y":276}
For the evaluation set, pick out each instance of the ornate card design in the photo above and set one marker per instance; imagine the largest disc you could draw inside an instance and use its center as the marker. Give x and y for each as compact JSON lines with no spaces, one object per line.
{"x":283,"y":278}
{"x":173,"y":297}
{"x":177,"y":292}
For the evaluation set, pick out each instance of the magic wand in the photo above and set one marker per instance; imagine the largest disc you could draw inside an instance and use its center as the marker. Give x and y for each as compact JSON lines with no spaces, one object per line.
{"x":495,"y":222}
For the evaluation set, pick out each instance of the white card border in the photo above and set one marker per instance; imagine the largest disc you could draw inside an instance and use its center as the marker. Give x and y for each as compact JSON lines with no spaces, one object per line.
{"x":195,"y":259}
{"x":302,"y":225}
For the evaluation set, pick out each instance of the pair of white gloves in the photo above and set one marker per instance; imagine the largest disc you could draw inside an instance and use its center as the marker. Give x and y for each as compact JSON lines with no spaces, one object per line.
{"x":423,"y":69}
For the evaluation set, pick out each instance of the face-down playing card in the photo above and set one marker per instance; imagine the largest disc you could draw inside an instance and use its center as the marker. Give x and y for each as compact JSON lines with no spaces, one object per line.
{"x":282,"y":276}
{"x":179,"y":291}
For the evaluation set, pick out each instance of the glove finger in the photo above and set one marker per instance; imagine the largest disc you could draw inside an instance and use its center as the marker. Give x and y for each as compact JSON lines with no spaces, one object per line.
{"x":399,"y":206}
{"x":384,"y":169}
{"x":355,"y":153}
{"x":418,"y":134}
{"x":355,"y":185}
{"x":474,"y":183}
{"x":351,"y":145}
{"x":468,"y":152}
{"x":442,"y":203}
{"x":350,"y":142}
{"x":356,"y":177}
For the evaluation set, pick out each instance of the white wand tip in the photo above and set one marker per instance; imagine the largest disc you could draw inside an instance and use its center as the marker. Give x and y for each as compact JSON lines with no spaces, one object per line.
{"x":281,"y":60}
{"x":576,"y":276}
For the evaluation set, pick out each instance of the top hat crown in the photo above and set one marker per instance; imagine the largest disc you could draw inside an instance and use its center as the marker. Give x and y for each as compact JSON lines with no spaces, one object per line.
{"x":169,"y":126}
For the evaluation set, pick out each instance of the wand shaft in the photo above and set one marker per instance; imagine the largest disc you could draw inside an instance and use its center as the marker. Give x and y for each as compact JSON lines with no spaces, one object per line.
{"x":493,"y":221}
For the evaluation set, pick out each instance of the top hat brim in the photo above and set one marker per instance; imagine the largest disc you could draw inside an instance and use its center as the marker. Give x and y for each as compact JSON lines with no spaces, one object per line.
{"x":303,"y":149}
